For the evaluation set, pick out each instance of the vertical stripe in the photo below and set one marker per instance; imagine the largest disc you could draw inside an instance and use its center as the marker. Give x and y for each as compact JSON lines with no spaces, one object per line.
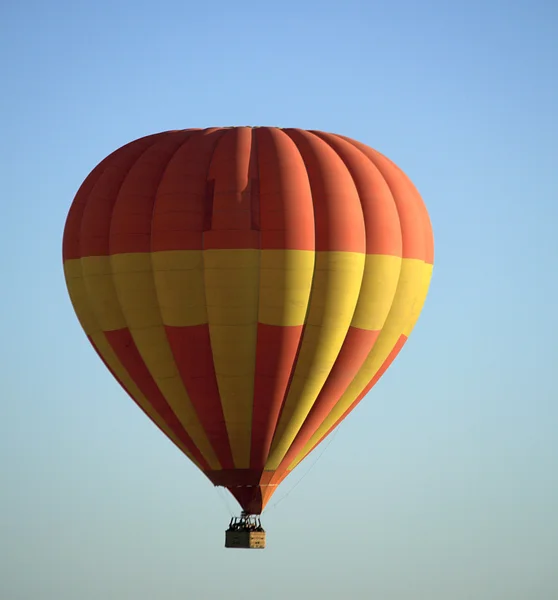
{"x":231,"y":291}
{"x":71,"y":243}
{"x":191,"y":348}
{"x":232,"y":283}
{"x":286,"y":272}
{"x":338,"y":216}
{"x":381,"y":218}
{"x":96,"y":220}
{"x":132,"y":214}
{"x":276,"y":353}
{"x":408,"y":202}
{"x":286,"y":210}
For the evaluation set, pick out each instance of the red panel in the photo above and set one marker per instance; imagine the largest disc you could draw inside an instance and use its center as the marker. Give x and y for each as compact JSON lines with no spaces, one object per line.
{"x":286,"y":211}
{"x":96,"y":222}
{"x":249,"y":498}
{"x":355,"y":350}
{"x":123,"y":345}
{"x":184,"y":194}
{"x":276,"y":353}
{"x":132,"y":215}
{"x":381,"y":220}
{"x":191,"y":347}
{"x":410,"y":207}
{"x":73,"y":228}
{"x":338,"y":217}
{"x":239,"y":239}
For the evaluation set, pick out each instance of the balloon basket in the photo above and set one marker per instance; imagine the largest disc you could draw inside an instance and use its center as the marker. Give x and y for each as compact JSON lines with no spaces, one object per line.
{"x":245,"y":532}
{"x":245,"y":539}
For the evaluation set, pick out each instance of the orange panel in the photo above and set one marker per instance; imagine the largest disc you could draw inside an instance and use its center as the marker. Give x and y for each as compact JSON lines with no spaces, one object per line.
{"x":338,"y":216}
{"x":412,"y":216}
{"x":71,"y":245}
{"x":286,"y":210}
{"x":381,"y":219}
{"x":132,"y":215}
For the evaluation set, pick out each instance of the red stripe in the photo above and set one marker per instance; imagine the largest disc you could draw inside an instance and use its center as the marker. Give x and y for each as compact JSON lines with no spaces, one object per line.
{"x":191,"y":347}
{"x":286,"y":210}
{"x":276,"y":352}
{"x":356,"y":348}
{"x":385,"y":366}
{"x":123,"y":345}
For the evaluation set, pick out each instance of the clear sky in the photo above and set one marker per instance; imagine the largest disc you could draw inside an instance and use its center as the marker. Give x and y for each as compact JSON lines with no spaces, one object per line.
{"x":444,"y":483}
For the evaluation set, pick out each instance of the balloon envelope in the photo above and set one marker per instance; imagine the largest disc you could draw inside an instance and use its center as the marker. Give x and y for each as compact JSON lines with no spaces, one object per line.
{"x":247,"y":287}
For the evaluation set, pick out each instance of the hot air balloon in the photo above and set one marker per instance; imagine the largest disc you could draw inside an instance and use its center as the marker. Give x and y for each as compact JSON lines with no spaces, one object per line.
{"x":247,"y":287}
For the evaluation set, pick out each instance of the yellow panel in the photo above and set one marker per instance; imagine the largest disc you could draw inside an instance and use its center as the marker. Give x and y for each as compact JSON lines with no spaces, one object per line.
{"x":232,"y":289}
{"x":179,"y":279}
{"x":379,"y":284}
{"x":135,"y":286}
{"x":79,"y":296}
{"x":97,"y":274}
{"x":335,"y":292}
{"x":409,"y":299}
{"x":422,"y":291}
{"x":285,"y":282}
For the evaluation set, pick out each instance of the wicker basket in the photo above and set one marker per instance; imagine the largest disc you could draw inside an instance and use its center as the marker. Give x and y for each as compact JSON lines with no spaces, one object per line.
{"x":245,"y":539}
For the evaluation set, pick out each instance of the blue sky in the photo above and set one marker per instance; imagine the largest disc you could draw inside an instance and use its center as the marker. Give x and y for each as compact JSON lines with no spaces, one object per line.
{"x":444,"y":483}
